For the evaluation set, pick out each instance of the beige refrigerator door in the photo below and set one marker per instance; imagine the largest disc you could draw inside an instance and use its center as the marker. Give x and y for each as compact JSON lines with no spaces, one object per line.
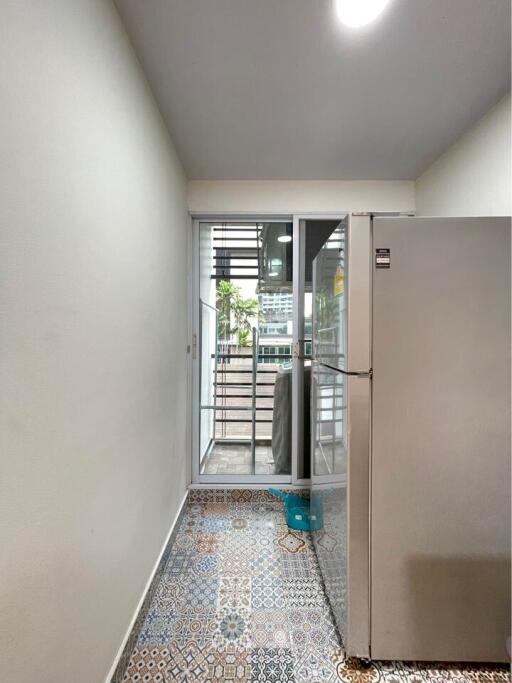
{"x":440,"y":481}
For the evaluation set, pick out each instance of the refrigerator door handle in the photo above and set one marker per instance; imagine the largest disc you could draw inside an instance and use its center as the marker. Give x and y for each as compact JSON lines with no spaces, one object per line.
{"x":364,"y":374}
{"x":359,"y":373}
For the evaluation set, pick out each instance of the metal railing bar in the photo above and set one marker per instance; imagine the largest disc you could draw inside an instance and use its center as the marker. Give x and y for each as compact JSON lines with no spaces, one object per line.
{"x":228,"y":257}
{"x":253,"y":398}
{"x":260,"y":355}
{"x":242,"y":384}
{"x":234,"y":276}
{"x":222,"y":407}
{"x":234,"y":248}
{"x":233,"y":419}
{"x":203,"y":303}
{"x":245,"y":395}
{"x":231,"y":371}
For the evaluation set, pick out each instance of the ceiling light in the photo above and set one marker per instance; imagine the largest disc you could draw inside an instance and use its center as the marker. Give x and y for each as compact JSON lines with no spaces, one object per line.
{"x":356,"y":13}
{"x":284,"y":238}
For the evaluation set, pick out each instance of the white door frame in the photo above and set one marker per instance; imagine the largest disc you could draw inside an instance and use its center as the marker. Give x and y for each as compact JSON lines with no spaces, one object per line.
{"x":232,"y":480}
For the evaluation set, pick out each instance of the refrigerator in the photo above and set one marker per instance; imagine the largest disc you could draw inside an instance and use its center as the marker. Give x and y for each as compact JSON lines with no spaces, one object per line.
{"x":410,"y":444}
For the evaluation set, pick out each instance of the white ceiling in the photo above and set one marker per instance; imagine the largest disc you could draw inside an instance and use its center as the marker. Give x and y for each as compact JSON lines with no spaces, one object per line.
{"x":278,"y":89}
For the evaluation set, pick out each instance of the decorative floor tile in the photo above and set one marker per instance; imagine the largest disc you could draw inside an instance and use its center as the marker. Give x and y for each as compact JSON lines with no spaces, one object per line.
{"x":236,"y":564}
{"x":428,"y":672}
{"x":326,"y":541}
{"x":240,"y":509}
{"x":239,"y":523}
{"x":213,"y":524}
{"x":187,"y":664}
{"x":185,"y":540}
{"x":157,"y":629}
{"x":352,"y":671}
{"x":391,"y":672}
{"x":147,"y":665}
{"x":304,"y":592}
{"x":209,"y":544}
{"x":312,"y":627}
{"x":207,"y":496}
{"x":263,"y":543}
{"x":217,"y":507}
{"x":195,"y":625}
{"x":246,"y":495}
{"x":170,"y":594}
{"x":270,"y":665}
{"x":235,"y":593}
{"x":239,"y":543}
{"x":205,"y":565}
{"x":295,"y":566}
{"x":202,"y":593}
{"x":312,"y":666}
{"x":269,"y":629}
{"x":267,"y":508}
{"x":267,"y":592}
{"x":264,"y":524}
{"x":240,"y":598}
{"x":180,"y":563}
{"x":195,"y":509}
{"x":231,"y":664}
{"x":233,"y":628}
{"x":266,"y":562}
{"x":291,"y":542}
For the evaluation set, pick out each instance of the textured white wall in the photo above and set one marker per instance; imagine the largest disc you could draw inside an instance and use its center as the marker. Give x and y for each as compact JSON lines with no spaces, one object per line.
{"x":472,"y":178}
{"x":93,"y":272}
{"x":296,"y":196}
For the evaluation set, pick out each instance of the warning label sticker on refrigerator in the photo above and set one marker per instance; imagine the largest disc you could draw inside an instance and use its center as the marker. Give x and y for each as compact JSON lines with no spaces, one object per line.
{"x":382,"y":258}
{"x":339,"y":281}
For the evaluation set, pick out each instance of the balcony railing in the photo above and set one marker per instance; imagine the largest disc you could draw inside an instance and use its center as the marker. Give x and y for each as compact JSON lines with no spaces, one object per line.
{"x":235,"y":391}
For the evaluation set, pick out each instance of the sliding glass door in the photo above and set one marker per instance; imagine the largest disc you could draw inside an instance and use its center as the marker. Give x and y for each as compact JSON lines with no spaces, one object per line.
{"x":251,"y":347}
{"x":244,"y":311}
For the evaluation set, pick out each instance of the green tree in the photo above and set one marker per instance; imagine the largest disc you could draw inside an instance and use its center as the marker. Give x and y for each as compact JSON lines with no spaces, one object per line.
{"x":236,"y":314}
{"x":244,"y":339}
{"x":244,"y":312}
{"x":227,"y":294}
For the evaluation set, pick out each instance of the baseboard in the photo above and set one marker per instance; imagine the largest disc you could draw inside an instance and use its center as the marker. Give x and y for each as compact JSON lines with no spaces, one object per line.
{"x":123,"y":648}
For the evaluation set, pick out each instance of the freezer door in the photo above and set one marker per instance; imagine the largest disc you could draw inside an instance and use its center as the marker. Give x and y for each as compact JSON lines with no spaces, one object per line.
{"x":330,"y":299}
{"x":440,"y":502}
{"x":341,"y":291}
{"x":340,"y":405}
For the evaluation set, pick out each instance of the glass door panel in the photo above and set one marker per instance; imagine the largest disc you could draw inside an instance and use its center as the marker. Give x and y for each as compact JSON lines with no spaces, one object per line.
{"x":329,"y":418}
{"x":330,"y":423}
{"x":208,"y":345}
{"x":312,"y":235}
{"x":330,"y":312}
{"x":246,"y":277}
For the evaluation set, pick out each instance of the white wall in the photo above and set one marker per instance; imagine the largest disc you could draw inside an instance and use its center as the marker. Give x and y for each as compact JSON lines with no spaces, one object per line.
{"x":296,"y":196}
{"x":93,"y":228}
{"x":472,"y":178}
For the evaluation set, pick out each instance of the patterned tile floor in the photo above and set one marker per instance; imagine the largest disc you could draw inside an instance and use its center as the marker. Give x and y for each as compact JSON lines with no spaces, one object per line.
{"x":240,"y":599}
